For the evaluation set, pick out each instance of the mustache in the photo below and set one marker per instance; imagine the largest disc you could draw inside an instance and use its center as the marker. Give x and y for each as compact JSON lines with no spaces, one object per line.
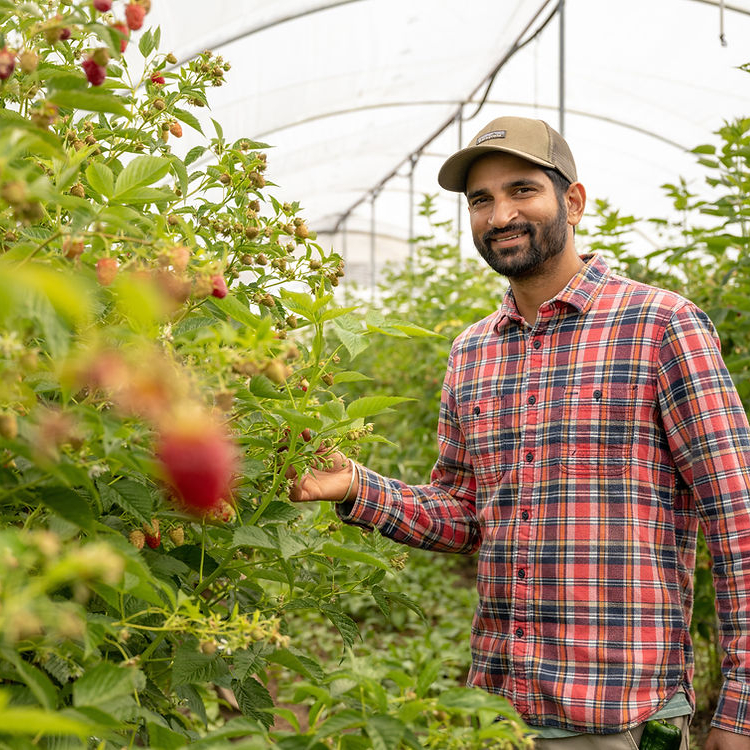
{"x":495,"y":232}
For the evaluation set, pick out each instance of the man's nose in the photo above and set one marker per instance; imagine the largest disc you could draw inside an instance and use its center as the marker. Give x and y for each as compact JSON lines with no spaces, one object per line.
{"x":503,"y":213}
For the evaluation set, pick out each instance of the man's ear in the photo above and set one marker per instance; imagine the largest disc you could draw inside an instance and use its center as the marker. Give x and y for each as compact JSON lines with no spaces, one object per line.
{"x":575,"y":201}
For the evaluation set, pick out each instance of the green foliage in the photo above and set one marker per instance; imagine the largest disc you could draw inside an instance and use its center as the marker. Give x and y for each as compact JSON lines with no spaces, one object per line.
{"x":151,"y":291}
{"x":439,"y":293}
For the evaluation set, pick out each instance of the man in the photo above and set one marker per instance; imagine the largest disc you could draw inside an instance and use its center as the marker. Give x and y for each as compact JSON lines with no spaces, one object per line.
{"x":586,"y":428}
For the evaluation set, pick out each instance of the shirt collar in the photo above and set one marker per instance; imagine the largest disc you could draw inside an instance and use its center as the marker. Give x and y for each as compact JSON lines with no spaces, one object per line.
{"x":579,"y":293}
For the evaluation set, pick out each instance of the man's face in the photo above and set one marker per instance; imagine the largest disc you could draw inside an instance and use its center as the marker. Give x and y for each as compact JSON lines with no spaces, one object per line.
{"x":517,"y":221}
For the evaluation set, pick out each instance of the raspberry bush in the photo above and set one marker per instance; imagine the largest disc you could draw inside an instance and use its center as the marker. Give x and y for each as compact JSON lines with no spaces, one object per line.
{"x":169,"y":351}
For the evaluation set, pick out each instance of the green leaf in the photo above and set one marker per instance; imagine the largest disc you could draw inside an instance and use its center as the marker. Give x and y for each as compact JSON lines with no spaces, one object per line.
{"x":350,"y":376}
{"x":195,"y":153}
{"x":189,"y":119}
{"x":180,"y":172}
{"x":299,"y":303}
{"x":40,"y":685}
{"x":142,"y":195}
{"x":68,"y":505}
{"x":354,"y":555}
{"x":298,"y":663}
{"x":366,"y":406}
{"x":105,"y":683}
{"x":101,"y":179}
{"x":344,"y":624}
{"x":132,"y":497}
{"x":354,"y":341}
{"x":142,"y":171}
{"x":252,"y":536}
{"x":191,"y":667}
{"x":252,"y":698}
{"x":164,"y":738}
{"x":429,"y":673}
{"x":146,"y":43}
{"x":385,"y":732}
{"x":18,"y":721}
{"x":91,"y":100}
{"x":233,"y":308}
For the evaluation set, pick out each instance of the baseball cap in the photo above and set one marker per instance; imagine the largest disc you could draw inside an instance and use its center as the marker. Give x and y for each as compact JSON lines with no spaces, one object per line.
{"x":533,"y":140}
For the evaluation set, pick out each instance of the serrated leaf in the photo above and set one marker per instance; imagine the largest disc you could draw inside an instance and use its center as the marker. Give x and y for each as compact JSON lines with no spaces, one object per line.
{"x":105,"y":683}
{"x":354,"y":555}
{"x":233,"y":308}
{"x":195,"y":153}
{"x":252,"y":536}
{"x":366,"y":406}
{"x":385,"y":732}
{"x":350,"y":376}
{"x":189,"y":119}
{"x":141,"y":171}
{"x":40,"y":685}
{"x":132,"y":497}
{"x":140,"y":196}
{"x":68,"y":505}
{"x":300,"y":303}
{"x":427,"y":676}
{"x":165,"y":738}
{"x":343,"y":623}
{"x":252,"y":698}
{"x":278,"y":511}
{"x":192,"y":667}
{"x":180,"y":172}
{"x":91,"y":100}
{"x":298,"y":663}
{"x":146,"y":43}
{"x":100,"y":178}
{"x":355,"y":342}
{"x":415,"y":331}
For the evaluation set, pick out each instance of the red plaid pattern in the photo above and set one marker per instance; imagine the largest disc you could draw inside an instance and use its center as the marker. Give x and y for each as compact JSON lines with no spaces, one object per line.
{"x":578,"y":457}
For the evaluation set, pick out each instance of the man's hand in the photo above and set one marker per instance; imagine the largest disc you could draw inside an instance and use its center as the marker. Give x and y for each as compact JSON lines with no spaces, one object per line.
{"x":720,"y":739}
{"x":325,"y":484}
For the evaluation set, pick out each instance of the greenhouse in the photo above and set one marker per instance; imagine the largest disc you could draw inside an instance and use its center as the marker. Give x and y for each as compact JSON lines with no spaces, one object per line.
{"x":300,"y":449}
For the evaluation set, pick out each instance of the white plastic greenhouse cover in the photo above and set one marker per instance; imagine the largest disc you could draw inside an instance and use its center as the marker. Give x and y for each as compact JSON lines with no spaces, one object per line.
{"x":362,"y":100}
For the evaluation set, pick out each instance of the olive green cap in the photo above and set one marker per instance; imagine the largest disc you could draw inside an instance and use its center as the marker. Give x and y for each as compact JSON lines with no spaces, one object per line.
{"x":533,"y":140}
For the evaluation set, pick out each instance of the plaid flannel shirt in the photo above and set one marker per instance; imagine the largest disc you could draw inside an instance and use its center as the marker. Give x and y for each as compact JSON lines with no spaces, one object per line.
{"x":578,"y":456}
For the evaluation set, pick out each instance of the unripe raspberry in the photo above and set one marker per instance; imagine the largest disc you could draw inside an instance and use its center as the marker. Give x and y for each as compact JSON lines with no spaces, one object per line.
{"x":103,"y":5}
{"x":175,"y":129}
{"x":72,"y":247}
{"x":177,"y":535}
{"x":137,"y":538}
{"x":159,"y":104}
{"x":78,"y":190}
{"x":28,"y":61}
{"x":101,"y":56}
{"x":8,"y":426}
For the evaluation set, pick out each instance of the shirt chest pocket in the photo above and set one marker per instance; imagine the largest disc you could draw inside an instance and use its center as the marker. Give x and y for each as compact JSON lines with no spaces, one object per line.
{"x":597,"y":429}
{"x":485,"y":425}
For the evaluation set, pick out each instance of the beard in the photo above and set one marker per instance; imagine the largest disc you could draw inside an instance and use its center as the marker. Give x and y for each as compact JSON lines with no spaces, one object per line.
{"x":544,"y":242}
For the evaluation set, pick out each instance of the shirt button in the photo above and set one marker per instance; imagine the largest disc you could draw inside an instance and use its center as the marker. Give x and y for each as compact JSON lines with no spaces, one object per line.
{"x":477,"y":410}
{"x":529,"y":457}
{"x":532,"y":399}
{"x":519,"y":632}
{"x":597,"y":395}
{"x":522,"y":573}
{"x":525,"y":515}
{"x":537,"y":343}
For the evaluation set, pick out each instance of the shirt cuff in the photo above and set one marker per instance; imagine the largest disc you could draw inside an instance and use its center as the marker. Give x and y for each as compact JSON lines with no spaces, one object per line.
{"x":732,"y":708}
{"x":366,"y":509}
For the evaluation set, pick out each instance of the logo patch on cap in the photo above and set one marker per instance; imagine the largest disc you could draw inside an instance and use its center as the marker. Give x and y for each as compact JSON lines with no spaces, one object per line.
{"x":489,"y":136}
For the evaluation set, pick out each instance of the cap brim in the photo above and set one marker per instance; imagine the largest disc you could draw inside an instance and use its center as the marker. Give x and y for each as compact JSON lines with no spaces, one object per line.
{"x":452,"y":175}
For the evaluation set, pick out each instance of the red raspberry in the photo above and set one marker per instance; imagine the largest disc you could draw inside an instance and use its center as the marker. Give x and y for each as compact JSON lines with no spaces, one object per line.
{"x":7,"y":63}
{"x":95,"y":74}
{"x":103,"y":5}
{"x":157,"y":79}
{"x":125,"y":31}
{"x":219,"y":286}
{"x":175,"y":129}
{"x":152,"y":534}
{"x":106,"y":270}
{"x":134,"y":15}
{"x":199,"y":462}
